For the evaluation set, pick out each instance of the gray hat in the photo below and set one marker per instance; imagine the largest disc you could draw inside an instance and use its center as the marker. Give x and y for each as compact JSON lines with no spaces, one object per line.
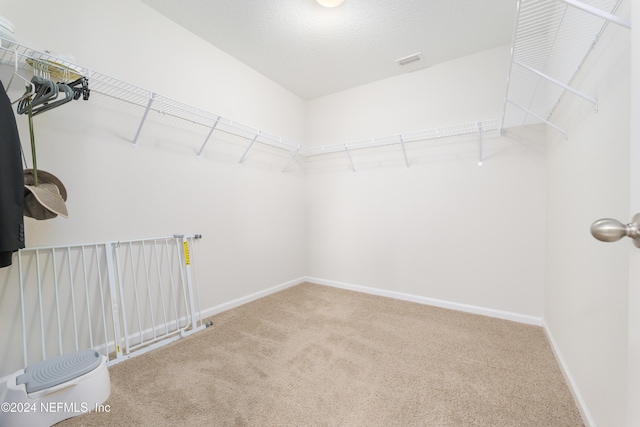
{"x":46,"y":200}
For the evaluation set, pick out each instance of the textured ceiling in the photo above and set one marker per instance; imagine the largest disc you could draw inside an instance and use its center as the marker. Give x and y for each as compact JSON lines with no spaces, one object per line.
{"x":314,"y":51}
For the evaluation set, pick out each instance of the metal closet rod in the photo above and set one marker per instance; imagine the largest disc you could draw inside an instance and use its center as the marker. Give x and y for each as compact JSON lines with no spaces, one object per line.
{"x":599,"y":13}
{"x":407,"y":137}
{"x":149,"y":100}
{"x":477,"y":128}
{"x":152,"y":101}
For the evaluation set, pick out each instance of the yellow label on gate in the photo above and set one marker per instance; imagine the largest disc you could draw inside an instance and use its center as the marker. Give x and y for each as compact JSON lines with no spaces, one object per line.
{"x":186,"y":253}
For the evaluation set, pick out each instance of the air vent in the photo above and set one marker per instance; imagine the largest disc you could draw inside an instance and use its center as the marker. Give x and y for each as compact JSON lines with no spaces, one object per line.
{"x":409,"y":59}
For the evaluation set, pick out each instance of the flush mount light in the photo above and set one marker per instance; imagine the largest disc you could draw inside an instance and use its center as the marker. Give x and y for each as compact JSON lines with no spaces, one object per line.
{"x":330,"y":3}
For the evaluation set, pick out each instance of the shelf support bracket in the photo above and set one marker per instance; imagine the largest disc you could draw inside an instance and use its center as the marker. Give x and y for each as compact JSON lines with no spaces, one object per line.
{"x":248,"y":148}
{"x":293,"y":156}
{"x":558,"y":83}
{"x":479,"y":143}
{"x":346,"y":149}
{"x":559,"y":129}
{"x":152,"y":97}
{"x":599,"y":13}
{"x":404,"y":151}
{"x":208,"y":136}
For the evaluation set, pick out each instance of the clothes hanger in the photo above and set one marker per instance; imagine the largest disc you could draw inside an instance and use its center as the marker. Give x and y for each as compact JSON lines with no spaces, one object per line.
{"x":49,"y":88}
{"x":83,"y":91}
{"x":30,"y":89}
{"x":69,"y":94}
{"x":46,"y":90}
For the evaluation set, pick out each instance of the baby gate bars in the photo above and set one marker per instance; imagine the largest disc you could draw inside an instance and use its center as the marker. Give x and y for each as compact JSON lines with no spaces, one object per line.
{"x":120,"y":298}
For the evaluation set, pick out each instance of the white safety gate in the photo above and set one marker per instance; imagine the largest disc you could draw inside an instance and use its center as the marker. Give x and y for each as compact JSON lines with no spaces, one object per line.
{"x":120,"y":298}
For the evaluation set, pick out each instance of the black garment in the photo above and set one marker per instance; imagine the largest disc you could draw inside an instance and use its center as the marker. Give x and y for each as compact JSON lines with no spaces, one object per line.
{"x":11,"y":183}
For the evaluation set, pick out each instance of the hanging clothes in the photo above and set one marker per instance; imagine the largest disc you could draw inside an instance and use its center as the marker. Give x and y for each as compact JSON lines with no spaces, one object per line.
{"x":11,"y":183}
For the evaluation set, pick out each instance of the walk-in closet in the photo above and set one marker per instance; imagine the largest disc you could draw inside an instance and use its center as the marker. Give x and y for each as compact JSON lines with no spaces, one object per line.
{"x":319,"y":212}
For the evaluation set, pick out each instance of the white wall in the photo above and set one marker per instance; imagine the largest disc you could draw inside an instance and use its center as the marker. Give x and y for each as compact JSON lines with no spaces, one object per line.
{"x":445,"y":228}
{"x":460,"y":91}
{"x":586,"y":292}
{"x":252,"y":216}
{"x":130,"y":41}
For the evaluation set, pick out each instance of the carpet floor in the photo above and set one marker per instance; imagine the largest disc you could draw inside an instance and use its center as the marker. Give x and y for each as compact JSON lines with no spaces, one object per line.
{"x":313,"y":355}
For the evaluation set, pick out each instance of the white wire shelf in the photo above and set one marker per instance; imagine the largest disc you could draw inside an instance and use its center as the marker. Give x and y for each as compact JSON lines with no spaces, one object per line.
{"x":103,"y":84}
{"x":551,"y":41}
{"x":404,"y":138}
{"x":22,"y":58}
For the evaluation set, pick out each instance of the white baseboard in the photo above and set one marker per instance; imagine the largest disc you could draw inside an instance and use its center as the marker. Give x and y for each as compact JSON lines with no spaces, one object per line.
{"x":573,"y":387}
{"x":516,"y":317}
{"x":252,"y":297}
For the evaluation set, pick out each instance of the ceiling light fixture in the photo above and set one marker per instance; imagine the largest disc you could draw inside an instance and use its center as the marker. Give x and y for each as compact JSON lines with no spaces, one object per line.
{"x":330,"y":3}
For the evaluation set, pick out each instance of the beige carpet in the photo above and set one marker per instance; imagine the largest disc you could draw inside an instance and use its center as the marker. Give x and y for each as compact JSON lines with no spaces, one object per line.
{"x":317,"y":356}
